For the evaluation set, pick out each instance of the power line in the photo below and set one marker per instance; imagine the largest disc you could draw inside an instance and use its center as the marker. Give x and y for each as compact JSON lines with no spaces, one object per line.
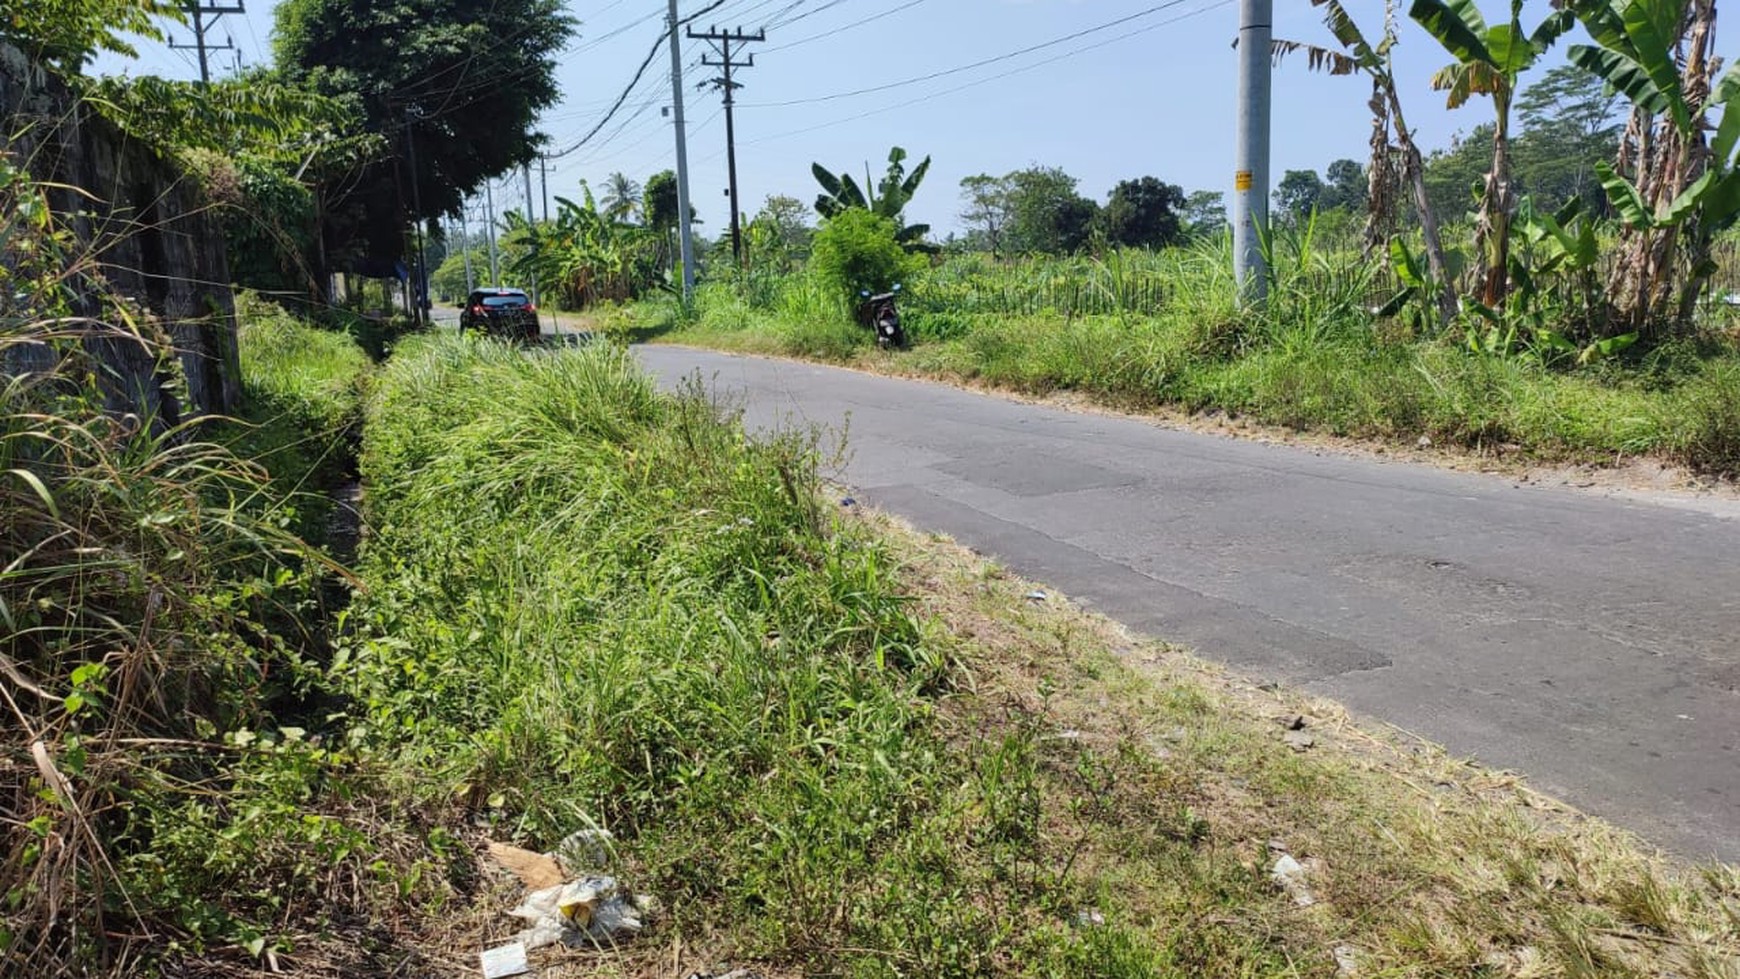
{"x":837,"y":30}
{"x":639,"y":72}
{"x":617,"y":32}
{"x":808,"y":13}
{"x":987,"y":79}
{"x":977,"y":64}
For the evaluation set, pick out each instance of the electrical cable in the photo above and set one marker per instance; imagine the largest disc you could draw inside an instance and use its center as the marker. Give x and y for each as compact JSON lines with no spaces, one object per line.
{"x":1149,"y":11}
{"x":977,"y":82}
{"x":639,"y":72}
{"x":837,"y":30}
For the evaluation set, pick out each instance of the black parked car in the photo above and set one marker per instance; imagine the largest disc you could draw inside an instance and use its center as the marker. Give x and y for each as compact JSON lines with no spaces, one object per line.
{"x":504,"y":313}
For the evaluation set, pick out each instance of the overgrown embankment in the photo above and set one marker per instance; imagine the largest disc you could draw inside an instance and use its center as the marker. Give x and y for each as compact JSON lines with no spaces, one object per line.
{"x":1147,"y":330}
{"x":164,"y":772}
{"x":830,"y":744}
{"x":824,"y":744}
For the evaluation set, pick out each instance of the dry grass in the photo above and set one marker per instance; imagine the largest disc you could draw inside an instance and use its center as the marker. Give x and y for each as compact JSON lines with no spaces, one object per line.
{"x":1423,"y":864}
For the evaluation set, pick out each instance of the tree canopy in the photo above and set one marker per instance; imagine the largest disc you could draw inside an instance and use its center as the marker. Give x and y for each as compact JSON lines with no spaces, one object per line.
{"x":1143,"y":213}
{"x":68,"y":33}
{"x":462,"y":80}
{"x":1569,"y":124}
{"x":1046,"y":214}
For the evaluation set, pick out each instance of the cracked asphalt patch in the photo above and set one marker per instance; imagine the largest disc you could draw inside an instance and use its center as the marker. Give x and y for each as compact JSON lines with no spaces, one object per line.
{"x":1591,"y":643}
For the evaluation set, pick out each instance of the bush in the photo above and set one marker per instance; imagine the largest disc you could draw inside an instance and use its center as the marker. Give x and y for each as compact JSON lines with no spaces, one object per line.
{"x":1708,"y":410}
{"x":857,"y":251}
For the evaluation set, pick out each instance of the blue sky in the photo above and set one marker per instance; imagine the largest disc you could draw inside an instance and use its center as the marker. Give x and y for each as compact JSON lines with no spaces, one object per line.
{"x":1154,"y":95}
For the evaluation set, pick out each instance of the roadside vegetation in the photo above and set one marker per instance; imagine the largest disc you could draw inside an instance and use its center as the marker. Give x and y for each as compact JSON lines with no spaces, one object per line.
{"x":1559,"y":285}
{"x":823,"y":743}
{"x":1144,"y":330}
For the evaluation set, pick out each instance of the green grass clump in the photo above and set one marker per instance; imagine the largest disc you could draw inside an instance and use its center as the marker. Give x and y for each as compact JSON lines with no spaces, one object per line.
{"x":302,"y":391}
{"x":161,"y":636}
{"x":590,"y":603}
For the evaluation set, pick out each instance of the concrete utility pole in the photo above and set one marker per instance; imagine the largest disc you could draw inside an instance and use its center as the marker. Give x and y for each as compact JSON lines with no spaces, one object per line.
{"x":420,"y":280}
{"x":532,"y":229}
{"x":489,"y":230}
{"x":686,"y":245}
{"x":465,"y":250}
{"x":544,"y":183}
{"x":722,"y":43}
{"x":1250,"y":212}
{"x":198,"y":12}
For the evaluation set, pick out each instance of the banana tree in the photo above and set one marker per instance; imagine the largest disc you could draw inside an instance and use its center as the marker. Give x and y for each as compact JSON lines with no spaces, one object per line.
{"x":1388,"y":123}
{"x":1489,"y":60}
{"x":887,"y":198}
{"x":587,"y":256}
{"x":1673,"y":191}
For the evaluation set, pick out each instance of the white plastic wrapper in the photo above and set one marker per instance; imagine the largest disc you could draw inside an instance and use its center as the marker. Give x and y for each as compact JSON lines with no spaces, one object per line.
{"x":587,"y":911}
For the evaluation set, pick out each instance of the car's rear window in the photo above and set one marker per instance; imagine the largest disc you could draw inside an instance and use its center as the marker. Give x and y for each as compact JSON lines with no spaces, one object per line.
{"x":518,"y":300}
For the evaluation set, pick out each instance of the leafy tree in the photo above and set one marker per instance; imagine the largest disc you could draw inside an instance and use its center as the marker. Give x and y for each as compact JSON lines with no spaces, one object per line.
{"x":659,"y":201}
{"x":584,"y":256}
{"x":787,"y":218}
{"x":1344,"y":186}
{"x":260,"y":148}
{"x":459,"y":83}
{"x":622,"y":197}
{"x":1046,"y":214}
{"x":1143,"y":213}
{"x":1299,"y":193}
{"x":987,"y":210}
{"x":858,"y":250}
{"x":1205,"y":213}
{"x":887,"y":198}
{"x":1569,"y":127}
{"x":1489,"y":60}
{"x":68,"y":33}
{"x":1570,"y":124}
{"x":779,"y":236}
{"x":1455,"y":174}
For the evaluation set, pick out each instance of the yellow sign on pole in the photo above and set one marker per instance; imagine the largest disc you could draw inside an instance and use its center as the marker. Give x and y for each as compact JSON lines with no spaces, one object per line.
{"x":1242,"y":180}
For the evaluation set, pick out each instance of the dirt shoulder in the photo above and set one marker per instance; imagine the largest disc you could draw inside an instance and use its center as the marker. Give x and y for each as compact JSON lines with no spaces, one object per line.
{"x":1391,"y":856}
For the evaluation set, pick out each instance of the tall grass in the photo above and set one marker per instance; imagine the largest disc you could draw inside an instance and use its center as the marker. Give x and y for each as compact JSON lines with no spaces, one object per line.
{"x":591,"y":604}
{"x":1150,"y":329}
{"x":159,"y":645}
{"x":301,"y":415}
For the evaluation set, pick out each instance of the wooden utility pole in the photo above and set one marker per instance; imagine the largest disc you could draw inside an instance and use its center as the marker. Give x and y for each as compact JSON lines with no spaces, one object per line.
{"x":198,"y":12}
{"x":721,"y":41}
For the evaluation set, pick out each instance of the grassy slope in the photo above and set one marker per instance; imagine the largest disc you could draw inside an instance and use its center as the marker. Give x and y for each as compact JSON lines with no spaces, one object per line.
{"x":825,"y":743}
{"x":836,"y":747}
{"x":1316,"y":361}
{"x":166,"y":628}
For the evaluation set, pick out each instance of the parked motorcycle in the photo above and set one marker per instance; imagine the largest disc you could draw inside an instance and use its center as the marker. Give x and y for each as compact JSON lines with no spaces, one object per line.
{"x":879,"y":313}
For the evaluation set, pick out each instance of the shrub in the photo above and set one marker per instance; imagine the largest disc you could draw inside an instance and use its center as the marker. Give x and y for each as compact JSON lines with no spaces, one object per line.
{"x":856,"y":251}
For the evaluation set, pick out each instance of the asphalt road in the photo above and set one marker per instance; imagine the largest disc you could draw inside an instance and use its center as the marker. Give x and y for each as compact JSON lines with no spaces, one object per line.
{"x":1589,"y":642}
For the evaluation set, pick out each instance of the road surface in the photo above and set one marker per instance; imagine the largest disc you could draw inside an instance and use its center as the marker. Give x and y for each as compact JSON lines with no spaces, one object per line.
{"x":1592,"y":643}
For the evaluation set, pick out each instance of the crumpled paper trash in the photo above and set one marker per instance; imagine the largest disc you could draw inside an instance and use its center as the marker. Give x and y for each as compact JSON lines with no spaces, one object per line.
{"x":587,"y":911}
